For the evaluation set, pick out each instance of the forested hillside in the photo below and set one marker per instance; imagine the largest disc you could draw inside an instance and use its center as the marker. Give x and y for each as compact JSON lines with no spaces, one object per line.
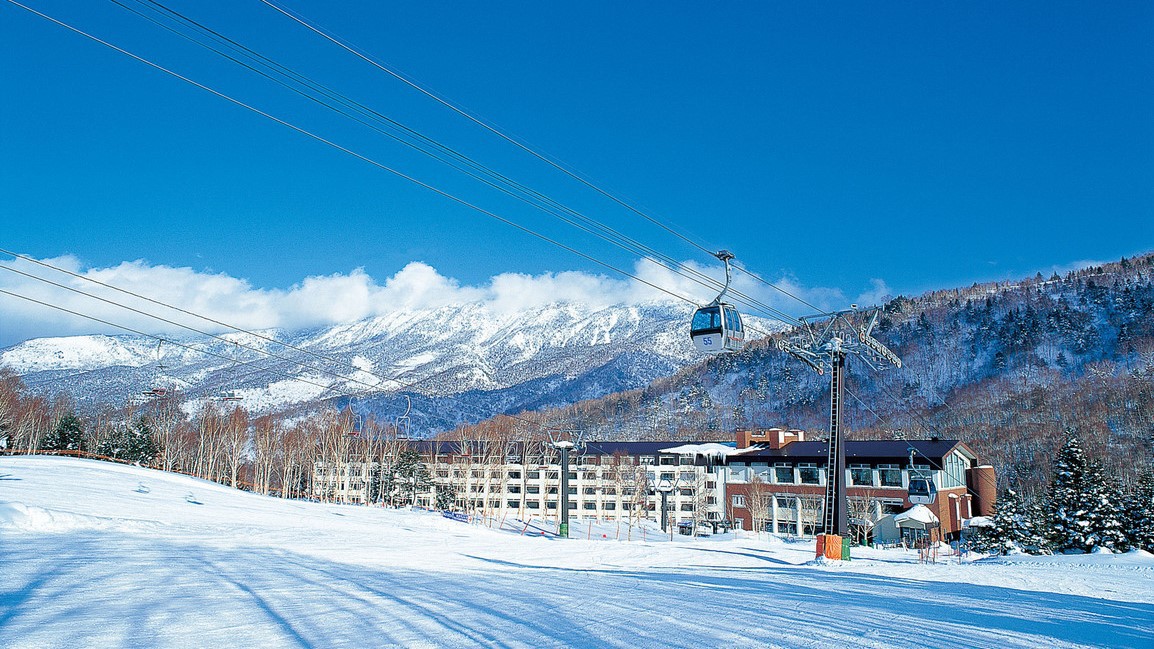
{"x":1009,"y":368}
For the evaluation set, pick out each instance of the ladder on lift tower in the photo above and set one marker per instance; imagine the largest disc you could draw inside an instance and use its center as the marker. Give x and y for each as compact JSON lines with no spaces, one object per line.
{"x":834,"y":468}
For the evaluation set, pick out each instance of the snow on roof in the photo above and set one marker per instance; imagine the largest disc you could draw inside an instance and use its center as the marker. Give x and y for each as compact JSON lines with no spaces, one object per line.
{"x":711,"y":450}
{"x":917,"y":514}
{"x":978,"y":521}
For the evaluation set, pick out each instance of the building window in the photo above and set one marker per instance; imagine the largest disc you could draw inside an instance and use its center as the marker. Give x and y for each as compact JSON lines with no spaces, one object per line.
{"x":514,"y":489}
{"x":784,"y":502}
{"x":668,"y":460}
{"x":589,"y":506}
{"x":809,"y":473}
{"x":572,"y":475}
{"x":552,"y":475}
{"x":551,"y":504}
{"x":890,"y":475}
{"x":647,"y":459}
{"x":572,"y":505}
{"x":684,"y":459}
{"x":551,"y":490}
{"x":609,"y":491}
{"x":739,"y":500}
{"x":861,"y":475}
{"x":533,"y":475}
{"x":687,"y":492}
{"x":667,"y":476}
{"x":533,"y":490}
{"x":590,"y":491}
{"x":688,"y":476}
{"x":686,"y":507}
{"x":609,"y":506}
{"x":514,"y":475}
{"x":783,"y":473}
{"x":572,"y":491}
{"x":513,"y":504}
{"x":532,"y":504}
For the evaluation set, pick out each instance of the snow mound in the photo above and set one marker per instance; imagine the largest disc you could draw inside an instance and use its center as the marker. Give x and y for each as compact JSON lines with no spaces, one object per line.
{"x":29,"y":518}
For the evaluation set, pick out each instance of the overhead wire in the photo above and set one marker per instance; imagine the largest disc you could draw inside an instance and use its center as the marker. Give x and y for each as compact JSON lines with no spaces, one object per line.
{"x":476,"y":120}
{"x":343,"y":149}
{"x":780,"y":315}
{"x":472,"y":168}
{"x":365,"y":158}
{"x":362,"y":157}
{"x":184,"y":326}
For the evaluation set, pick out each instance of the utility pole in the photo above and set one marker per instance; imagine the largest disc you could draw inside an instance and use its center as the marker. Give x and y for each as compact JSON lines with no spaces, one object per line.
{"x":823,"y":347}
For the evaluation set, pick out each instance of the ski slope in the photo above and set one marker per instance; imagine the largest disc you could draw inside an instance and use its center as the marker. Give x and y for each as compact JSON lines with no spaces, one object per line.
{"x":103,"y":555}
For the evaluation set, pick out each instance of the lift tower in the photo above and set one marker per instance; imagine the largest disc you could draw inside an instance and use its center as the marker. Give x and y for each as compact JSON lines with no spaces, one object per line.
{"x":825,"y":345}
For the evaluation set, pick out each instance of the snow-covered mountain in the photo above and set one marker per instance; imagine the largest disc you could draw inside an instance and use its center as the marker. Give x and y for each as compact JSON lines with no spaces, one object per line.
{"x":456,"y":363}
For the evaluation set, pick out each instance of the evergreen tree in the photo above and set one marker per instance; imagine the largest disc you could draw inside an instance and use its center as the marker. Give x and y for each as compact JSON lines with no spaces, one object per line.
{"x":1083,"y":506}
{"x":1017,"y":527}
{"x":1069,"y":517}
{"x":446,"y":497}
{"x":132,"y":443}
{"x":1140,"y":513}
{"x":1107,"y":518}
{"x":375,"y":483}
{"x":411,"y":474}
{"x":68,"y":435}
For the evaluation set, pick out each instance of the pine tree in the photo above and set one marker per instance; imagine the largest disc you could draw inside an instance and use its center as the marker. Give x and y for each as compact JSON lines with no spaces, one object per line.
{"x":1107,"y":520}
{"x":1140,"y":513}
{"x":68,"y":435}
{"x":1069,"y":517}
{"x":1083,"y":506}
{"x":446,"y":497}
{"x":1018,"y":524}
{"x":132,"y":443}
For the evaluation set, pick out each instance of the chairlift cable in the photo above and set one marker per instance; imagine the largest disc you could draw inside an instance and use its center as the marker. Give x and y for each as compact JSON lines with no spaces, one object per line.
{"x":482,"y":123}
{"x":776,"y":314}
{"x":562,"y":168}
{"x":502,"y":183}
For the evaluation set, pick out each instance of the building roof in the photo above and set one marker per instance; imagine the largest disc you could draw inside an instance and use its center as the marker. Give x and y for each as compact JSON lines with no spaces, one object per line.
{"x":933,"y":450}
{"x":446,"y":447}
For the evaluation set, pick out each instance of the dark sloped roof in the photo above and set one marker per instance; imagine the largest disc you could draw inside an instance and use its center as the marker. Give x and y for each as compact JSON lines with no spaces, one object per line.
{"x":859,"y":450}
{"x":591,"y":448}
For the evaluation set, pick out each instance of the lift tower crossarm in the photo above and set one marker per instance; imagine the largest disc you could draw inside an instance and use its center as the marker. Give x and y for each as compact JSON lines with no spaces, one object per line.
{"x":827,"y":345}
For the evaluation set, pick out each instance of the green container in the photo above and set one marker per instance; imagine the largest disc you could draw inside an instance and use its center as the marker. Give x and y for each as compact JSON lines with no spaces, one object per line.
{"x":845,"y":549}
{"x":563,"y":530}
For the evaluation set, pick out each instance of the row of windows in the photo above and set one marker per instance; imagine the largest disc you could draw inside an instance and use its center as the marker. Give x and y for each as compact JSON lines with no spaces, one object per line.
{"x":885,"y":475}
{"x":580,"y":460}
{"x":555,"y":475}
{"x":589,"y":506}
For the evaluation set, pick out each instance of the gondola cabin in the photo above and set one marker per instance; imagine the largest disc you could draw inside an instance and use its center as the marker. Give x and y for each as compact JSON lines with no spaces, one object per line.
{"x":716,"y":329}
{"x":922,"y":491}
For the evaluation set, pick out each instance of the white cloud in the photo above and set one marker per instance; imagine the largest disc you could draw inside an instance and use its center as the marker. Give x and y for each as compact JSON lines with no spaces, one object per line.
{"x":878,"y":293}
{"x":337,"y":298}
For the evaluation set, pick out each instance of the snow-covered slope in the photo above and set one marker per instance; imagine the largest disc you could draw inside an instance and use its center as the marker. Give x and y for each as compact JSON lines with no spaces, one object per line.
{"x":500,"y":360}
{"x":103,"y":555}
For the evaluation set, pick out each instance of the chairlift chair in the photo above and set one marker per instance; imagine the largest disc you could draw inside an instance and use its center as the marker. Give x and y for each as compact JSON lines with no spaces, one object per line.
{"x":716,"y":327}
{"x":922,"y":491}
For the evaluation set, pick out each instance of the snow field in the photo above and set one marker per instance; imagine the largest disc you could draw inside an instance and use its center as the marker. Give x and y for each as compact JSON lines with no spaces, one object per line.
{"x":104,"y":555}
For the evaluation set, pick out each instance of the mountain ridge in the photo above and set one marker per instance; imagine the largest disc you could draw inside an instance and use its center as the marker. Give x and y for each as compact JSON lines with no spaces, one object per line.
{"x":495,"y":360}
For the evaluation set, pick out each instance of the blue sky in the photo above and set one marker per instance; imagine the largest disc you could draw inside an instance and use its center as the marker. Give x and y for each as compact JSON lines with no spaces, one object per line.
{"x":923,"y":145}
